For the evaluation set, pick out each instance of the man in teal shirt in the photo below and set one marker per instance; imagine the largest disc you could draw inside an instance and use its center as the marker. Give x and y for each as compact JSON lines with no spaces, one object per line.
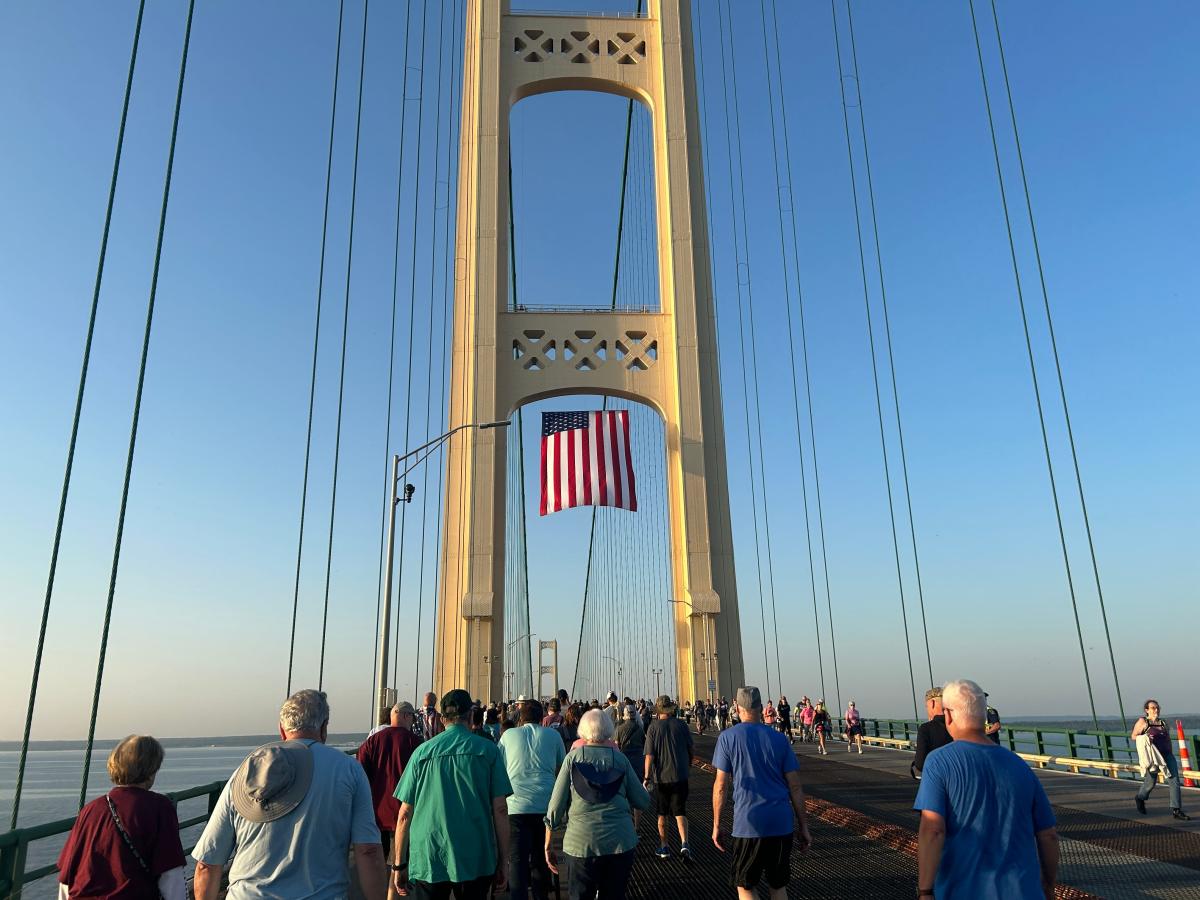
{"x":453,"y":822}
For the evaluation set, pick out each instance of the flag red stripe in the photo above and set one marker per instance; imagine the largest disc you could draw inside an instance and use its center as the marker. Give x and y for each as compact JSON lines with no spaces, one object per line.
{"x":630,"y":486}
{"x":611,"y":435}
{"x":543,"y":511}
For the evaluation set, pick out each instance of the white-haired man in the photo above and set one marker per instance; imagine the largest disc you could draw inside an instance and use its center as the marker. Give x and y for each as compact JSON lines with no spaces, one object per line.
{"x":768,"y":800}
{"x":987,"y":829}
{"x":289,"y":816}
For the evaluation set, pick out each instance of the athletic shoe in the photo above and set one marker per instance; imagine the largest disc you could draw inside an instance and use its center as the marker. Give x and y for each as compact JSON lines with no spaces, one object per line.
{"x":860,"y":751}
{"x":663,"y":852}
{"x":686,"y":852}
{"x":1141,"y":805}
{"x":1181,"y":815}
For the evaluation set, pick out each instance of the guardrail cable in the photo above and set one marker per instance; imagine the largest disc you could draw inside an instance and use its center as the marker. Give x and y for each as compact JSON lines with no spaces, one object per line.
{"x":1037,"y":394}
{"x":1062,"y":391}
{"x":862,"y":258}
{"x":337,"y":443}
{"x":73,"y":440}
{"x":312,"y":384}
{"x":137,"y":410}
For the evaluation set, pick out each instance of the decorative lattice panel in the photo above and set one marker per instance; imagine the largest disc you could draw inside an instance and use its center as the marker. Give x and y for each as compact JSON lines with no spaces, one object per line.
{"x":584,"y":350}
{"x":535,"y":45}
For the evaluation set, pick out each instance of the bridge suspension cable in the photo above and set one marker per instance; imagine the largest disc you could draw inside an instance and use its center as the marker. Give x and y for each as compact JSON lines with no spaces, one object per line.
{"x":432,"y":306}
{"x":1062,"y":537}
{"x":312,"y":384}
{"x":862,"y":257}
{"x":73,"y":440}
{"x":137,"y":409}
{"x":785,"y":184}
{"x":337,"y":443}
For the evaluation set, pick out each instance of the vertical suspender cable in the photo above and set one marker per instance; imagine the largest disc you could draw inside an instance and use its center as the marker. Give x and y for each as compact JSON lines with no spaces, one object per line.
{"x":862,"y":258}
{"x":887,"y":331}
{"x":737,"y":248}
{"x":87,"y":356}
{"x":137,"y":409}
{"x":412,"y":311}
{"x":452,"y":174}
{"x":812,"y":429}
{"x":812,"y":576}
{"x":437,"y":130}
{"x":312,"y":383}
{"x":1062,"y":391}
{"x":1037,"y":394}
{"x":385,"y":510}
{"x":337,"y":443}
{"x":762,"y":468}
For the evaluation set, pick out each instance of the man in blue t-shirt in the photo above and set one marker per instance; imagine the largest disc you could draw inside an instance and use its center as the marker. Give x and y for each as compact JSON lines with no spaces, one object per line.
{"x":987,"y":829}
{"x":768,"y":800}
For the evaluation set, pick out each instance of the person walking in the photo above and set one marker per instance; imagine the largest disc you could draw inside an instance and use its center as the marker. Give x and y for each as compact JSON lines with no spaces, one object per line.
{"x":532,"y":755}
{"x":783,"y":712}
{"x":931,"y":734}
{"x":428,"y":718}
{"x":768,"y":800}
{"x":570,"y":728}
{"x":993,"y":724}
{"x":701,"y":714}
{"x":126,"y":843}
{"x":612,"y":708}
{"x":987,"y":830}
{"x":769,"y":716}
{"x":632,"y":739}
{"x":1151,"y":729}
{"x":594,"y":795}
{"x":854,"y":728}
{"x":806,"y":720}
{"x":287,"y":819}
{"x":668,"y":760}
{"x":821,"y":725}
{"x":383,"y":757}
{"x":452,"y":830}
{"x":722,"y":714}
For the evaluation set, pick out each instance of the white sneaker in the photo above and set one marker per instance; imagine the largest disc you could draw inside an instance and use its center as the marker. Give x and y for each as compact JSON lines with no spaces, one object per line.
{"x":860,"y":751}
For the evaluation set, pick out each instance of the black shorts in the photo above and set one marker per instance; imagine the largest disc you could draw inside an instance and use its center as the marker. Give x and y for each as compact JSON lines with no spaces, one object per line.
{"x":755,"y":857}
{"x":672,"y":798}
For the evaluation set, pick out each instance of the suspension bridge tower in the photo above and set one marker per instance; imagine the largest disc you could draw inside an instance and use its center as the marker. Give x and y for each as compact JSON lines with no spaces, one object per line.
{"x":503,"y":358}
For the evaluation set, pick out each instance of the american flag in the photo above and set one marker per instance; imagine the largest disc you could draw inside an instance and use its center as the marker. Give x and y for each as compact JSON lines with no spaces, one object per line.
{"x":586,"y":461}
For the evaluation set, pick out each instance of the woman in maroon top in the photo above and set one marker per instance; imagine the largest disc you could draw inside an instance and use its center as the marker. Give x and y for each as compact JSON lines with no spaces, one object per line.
{"x":125,"y":845}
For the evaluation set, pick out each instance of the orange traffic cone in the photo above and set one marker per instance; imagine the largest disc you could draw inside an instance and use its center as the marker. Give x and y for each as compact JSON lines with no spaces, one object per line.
{"x":1183,"y":752}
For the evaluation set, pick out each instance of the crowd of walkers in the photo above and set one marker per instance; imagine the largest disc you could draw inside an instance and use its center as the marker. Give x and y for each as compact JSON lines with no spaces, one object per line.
{"x":457,"y":799}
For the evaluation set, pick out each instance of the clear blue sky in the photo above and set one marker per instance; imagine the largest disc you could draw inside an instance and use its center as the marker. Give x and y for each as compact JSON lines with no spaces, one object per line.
{"x":1105,"y":97}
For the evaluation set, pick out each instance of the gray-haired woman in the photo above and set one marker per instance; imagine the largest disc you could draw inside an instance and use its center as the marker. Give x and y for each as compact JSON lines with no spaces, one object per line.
{"x":594,"y":796}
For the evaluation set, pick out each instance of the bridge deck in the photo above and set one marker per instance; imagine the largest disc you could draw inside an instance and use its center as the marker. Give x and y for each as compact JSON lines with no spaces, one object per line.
{"x":862,"y":822}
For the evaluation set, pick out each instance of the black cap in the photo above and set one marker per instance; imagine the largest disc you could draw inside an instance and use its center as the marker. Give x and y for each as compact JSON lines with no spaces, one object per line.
{"x":456,"y":703}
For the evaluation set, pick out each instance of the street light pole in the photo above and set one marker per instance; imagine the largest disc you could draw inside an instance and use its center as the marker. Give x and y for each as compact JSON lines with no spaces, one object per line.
{"x":426,"y":450}
{"x":657,"y":686}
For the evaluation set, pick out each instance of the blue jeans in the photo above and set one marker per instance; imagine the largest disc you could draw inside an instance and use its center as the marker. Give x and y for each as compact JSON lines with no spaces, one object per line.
{"x":1172,"y":779}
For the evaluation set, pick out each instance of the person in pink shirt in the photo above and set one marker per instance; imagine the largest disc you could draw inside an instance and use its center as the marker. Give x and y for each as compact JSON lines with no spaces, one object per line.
{"x":769,"y":714}
{"x":806,"y":718}
{"x":854,"y":728}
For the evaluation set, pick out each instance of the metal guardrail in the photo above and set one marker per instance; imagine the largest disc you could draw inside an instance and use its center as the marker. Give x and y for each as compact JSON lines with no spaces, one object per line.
{"x":14,"y":845}
{"x":1070,"y":748}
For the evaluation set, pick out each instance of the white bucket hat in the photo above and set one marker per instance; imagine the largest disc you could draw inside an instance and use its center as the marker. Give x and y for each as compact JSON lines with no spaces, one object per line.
{"x":272,"y":781}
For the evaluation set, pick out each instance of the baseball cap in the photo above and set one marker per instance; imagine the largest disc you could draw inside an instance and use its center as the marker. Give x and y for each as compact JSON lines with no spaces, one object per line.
{"x":456,"y":703}
{"x":749,"y":697}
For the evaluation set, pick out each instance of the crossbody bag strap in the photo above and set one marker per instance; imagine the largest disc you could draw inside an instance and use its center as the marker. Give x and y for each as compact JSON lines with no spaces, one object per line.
{"x":112,"y":809}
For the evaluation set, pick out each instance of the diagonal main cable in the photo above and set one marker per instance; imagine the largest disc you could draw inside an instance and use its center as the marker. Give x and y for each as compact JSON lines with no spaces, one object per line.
{"x":66,"y":487}
{"x":137,"y":408}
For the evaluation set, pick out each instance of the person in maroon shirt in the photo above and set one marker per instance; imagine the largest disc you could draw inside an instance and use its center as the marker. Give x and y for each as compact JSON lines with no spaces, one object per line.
{"x":125,"y":845}
{"x":383,"y":756}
